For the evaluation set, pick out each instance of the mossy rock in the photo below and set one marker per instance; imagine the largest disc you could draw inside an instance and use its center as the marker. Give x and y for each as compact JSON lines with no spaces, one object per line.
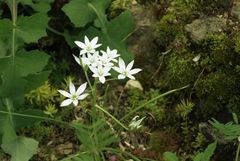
{"x":200,"y":28}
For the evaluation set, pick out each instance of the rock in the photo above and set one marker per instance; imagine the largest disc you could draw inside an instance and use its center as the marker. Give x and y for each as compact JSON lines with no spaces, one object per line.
{"x":200,"y":28}
{"x":236,"y":9}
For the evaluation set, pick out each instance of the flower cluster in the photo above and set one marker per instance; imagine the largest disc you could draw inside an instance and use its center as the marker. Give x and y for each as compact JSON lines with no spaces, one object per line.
{"x":101,"y":62}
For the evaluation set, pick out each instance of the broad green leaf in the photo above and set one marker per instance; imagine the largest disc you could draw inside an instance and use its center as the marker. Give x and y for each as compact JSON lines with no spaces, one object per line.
{"x":15,"y":68}
{"x":198,"y":157}
{"x":169,"y":156}
{"x":32,"y":28}
{"x":20,"y":148}
{"x":5,"y":29}
{"x":121,"y":27}
{"x":39,"y":5}
{"x":209,"y":151}
{"x":81,"y":12}
{"x":36,"y":80}
{"x":24,"y":121}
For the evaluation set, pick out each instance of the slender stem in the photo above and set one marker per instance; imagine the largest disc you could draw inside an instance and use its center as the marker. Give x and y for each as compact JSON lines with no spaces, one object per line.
{"x":237,"y":153}
{"x":115,"y":119}
{"x":34,"y":116}
{"x":104,"y":28}
{"x":85,"y":73}
{"x":152,"y":100}
{"x":55,"y":31}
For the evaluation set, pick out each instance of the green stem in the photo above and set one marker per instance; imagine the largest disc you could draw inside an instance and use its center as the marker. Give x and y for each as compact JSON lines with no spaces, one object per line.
{"x":237,"y":153}
{"x":85,"y":73}
{"x":115,"y":119}
{"x":55,"y":31}
{"x":152,"y":100}
{"x":9,"y":108}
{"x":103,"y":26}
{"x":34,"y":116}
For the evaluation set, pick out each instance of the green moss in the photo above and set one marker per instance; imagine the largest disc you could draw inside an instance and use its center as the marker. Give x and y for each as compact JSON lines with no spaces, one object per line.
{"x":237,"y":43}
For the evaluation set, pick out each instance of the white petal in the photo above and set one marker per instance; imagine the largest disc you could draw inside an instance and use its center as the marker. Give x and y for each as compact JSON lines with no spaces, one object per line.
{"x":72,"y":88}
{"x":83,"y":52}
{"x":77,"y":59}
{"x":130,"y":65}
{"x":121,"y":64}
{"x":66,"y":102}
{"x":121,"y":76}
{"x":97,"y":45}
{"x":94,"y":41}
{"x":81,"y":89}
{"x":130,"y":76}
{"x":81,"y":97}
{"x":80,"y":44}
{"x":119,"y":70}
{"x":102,"y":79}
{"x":64,"y":93}
{"x":86,"y":40}
{"x":134,"y":71}
{"x":75,"y":102}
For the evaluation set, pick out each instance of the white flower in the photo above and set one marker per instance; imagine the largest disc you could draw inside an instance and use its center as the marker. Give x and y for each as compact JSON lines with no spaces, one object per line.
{"x":92,"y":59}
{"x":126,"y":71}
{"x":88,"y":46}
{"x":111,"y":54}
{"x":83,"y":59}
{"x":73,"y":95}
{"x":105,"y":61}
{"x":136,"y":124}
{"x":100,"y":72}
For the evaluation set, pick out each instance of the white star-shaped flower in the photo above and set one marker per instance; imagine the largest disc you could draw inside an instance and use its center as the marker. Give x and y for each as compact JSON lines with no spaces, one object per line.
{"x":88,"y":46}
{"x":92,"y":59}
{"x":105,"y":61}
{"x":111,"y":54}
{"x":126,"y":71}
{"x":100,"y":72}
{"x":83,"y":59}
{"x":73,"y":96}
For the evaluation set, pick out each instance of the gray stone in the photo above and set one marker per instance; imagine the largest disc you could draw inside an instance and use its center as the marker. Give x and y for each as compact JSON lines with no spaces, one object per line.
{"x":236,"y":9}
{"x":200,"y":28}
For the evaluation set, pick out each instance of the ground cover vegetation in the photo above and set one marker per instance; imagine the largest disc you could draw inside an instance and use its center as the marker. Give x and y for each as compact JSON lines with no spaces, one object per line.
{"x":142,"y":80}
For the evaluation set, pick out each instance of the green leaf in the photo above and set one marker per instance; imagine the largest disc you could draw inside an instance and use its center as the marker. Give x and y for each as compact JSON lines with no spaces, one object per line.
{"x":120,"y":27}
{"x":20,"y":148}
{"x":5,"y":29}
{"x":39,"y":5}
{"x":235,"y":118}
{"x":209,"y":151}
{"x":169,"y":156}
{"x":198,"y":157}
{"x":32,"y":28}
{"x":81,"y":12}
{"x":15,"y":68}
{"x":21,"y":121}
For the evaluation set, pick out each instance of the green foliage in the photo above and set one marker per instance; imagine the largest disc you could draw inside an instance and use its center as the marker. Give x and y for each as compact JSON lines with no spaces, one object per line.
{"x":114,"y":32}
{"x":43,"y":95}
{"x":230,"y":130}
{"x":156,"y":108}
{"x":171,"y":24}
{"x":20,"y":148}
{"x":20,"y":71}
{"x":94,"y":138}
{"x":204,"y":156}
{"x":237,"y":43}
{"x":170,"y":156}
{"x":184,"y":108}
